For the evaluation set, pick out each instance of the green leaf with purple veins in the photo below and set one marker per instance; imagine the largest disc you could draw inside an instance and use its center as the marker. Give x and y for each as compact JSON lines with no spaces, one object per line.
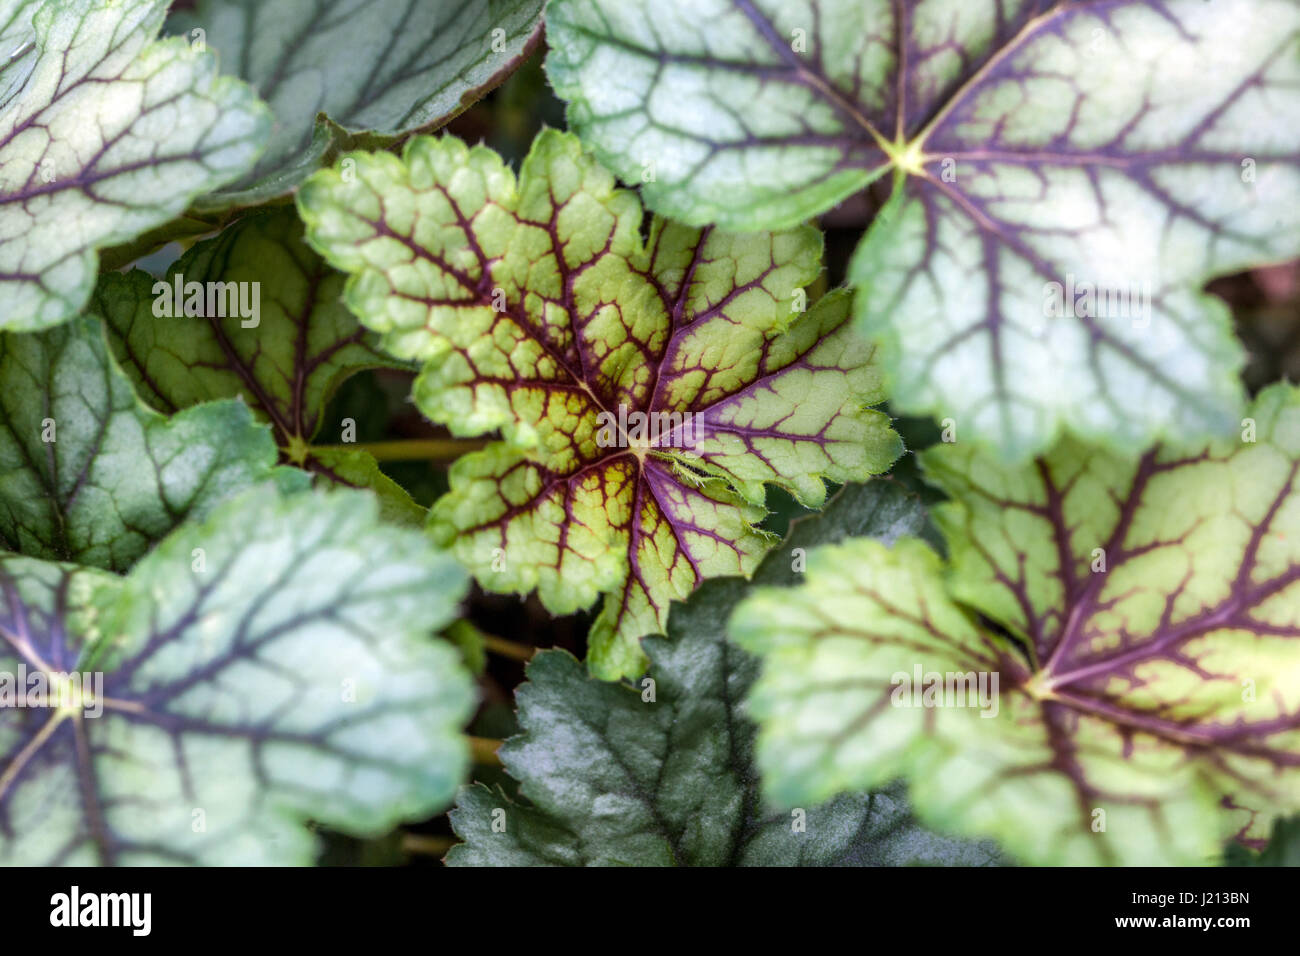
{"x":537,"y":309}
{"x":339,"y":74}
{"x":1141,"y":616}
{"x":255,"y":671}
{"x":105,"y":127}
{"x":269,"y":327}
{"x":88,"y":473}
{"x":1065,"y":177}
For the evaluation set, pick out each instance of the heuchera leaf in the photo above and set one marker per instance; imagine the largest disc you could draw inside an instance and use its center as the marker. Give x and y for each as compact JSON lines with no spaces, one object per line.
{"x":88,"y":474}
{"x":1142,"y":616}
{"x":339,"y":74}
{"x":537,"y":309}
{"x":258,"y":670}
{"x":104,"y":134}
{"x":662,"y":774}
{"x":270,"y":328}
{"x":1065,"y":178}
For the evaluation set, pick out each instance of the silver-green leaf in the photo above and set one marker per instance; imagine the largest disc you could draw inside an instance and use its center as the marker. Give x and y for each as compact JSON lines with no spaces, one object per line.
{"x":105,"y":133}
{"x":253,"y":672}
{"x":91,"y":475}
{"x":346,"y":73}
{"x":662,"y":773}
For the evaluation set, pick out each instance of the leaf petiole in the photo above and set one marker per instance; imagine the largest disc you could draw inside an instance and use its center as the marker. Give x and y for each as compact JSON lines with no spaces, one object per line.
{"x":444,"y":450}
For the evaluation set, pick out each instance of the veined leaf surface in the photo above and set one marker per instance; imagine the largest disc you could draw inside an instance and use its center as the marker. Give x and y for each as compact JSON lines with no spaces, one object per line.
{"x":105,"y":133}
{"x":662,"y":773}
{"x":1065,"y":178}
{"x":257,"y":670}
{"x":90,"y":475}
{"x":1141,"y":616}
{"x":341,"y":73}
{"x":252,"y":313}
{"x":537,"y":309}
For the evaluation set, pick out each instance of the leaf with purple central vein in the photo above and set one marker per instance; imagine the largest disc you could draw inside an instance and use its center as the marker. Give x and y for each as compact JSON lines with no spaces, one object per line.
{"x":104,"y":134}
{"x":1066,"y":176}
{"x":1142,"y":617}
{"x":252,"y":672}
{"x":646,"y":391}
{"x":267,"y":325}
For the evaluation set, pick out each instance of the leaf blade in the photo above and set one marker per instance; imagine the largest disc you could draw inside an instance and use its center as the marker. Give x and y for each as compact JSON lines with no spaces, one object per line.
{"x":646,"y":391}
{"x":90,"y":474}
{"x":1146,"y":656}
{"x":340,"y":76}
{"x":224,"y":723}
{"x":1066,"y":177}
{"x":165,"y":129}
